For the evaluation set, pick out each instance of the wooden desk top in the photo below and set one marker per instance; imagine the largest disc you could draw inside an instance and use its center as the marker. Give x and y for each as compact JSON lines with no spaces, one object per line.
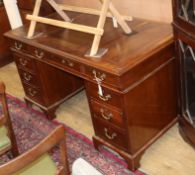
{"x":124,"y":51}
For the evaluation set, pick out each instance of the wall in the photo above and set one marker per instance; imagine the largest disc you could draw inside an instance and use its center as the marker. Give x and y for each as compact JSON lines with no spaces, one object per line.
{"x":158,"y":10}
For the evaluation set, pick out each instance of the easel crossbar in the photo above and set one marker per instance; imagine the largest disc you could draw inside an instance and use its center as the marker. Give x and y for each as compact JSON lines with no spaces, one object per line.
{"x":89,"y":11}
{"x":67,"y":25}
{"x":106,"y":10}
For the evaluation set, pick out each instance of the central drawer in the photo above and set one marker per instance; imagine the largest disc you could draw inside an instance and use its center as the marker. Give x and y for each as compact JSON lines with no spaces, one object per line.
{"x":64,"y":63}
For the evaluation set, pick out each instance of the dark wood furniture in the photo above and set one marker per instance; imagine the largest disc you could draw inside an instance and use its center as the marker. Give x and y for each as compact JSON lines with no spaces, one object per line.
{"x":5,"y":123}
{"x":5,"y":55}
{"x":25,"y":7}
{"x":138,"y":100}
{"x":184,"y":31}
{"x":39,"y":155}
{"x":44,"y":85}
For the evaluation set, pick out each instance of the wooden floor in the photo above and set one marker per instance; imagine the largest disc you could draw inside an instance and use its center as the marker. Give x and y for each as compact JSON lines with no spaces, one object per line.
{"x":170,"y":155}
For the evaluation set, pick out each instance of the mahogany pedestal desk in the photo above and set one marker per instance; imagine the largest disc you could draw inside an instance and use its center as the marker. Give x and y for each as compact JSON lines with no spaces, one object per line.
{"x":138,"y":103}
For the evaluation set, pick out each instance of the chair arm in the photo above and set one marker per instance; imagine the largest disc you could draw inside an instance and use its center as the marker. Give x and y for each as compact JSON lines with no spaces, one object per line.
{"x":56,"y":136}
{"x":2,"y":88}
{"x":2,"y":120}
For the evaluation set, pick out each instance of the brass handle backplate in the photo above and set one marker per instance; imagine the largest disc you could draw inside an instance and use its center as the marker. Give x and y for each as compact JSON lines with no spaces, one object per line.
{"x":98,"y":76}
{"x":106,"y":116}
{"x":67,"y":62}
{"x":105,"y":98}
{"x":23,"y":62}
{"x":39,"y":54}
{"x":18,"y":46}
{"x":27,"y":77}
{"x":109,"y":136}
{"x":32,"y":92}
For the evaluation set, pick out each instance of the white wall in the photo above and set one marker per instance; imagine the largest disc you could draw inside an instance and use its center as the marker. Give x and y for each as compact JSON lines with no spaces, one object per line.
{"x":158,"y":10}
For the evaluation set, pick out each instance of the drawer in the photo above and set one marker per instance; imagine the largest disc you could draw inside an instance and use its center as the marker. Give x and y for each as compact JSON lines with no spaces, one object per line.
{"x":33,"y":93}
{"x":19,"y":46}
{"x":29,"y":78}
{"x":64,"y":62}
{"x":111,"y":134}
{"x":107,"y":113}
{"x":109,"y":96}
{"x":107,"y":78}
{"x":37,"y":53}
{"x":25,"y":62}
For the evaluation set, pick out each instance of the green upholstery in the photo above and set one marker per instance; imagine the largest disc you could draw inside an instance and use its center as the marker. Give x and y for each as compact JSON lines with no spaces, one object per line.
{"x":4,"y":139}
{"x":42,"y":166}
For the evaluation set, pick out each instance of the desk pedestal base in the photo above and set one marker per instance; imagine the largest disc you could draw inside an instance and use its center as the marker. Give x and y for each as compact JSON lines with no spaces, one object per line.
{"x":133,"y":160}
{"x":50,"y":110}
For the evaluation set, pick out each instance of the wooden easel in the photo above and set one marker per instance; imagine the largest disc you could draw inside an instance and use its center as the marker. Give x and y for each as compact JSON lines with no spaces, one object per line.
{"x":107,"y":10}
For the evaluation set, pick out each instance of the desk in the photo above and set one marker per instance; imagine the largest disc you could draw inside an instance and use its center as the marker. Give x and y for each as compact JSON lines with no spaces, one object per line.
{"x":138,"y":103}
{"x":5,"y":56}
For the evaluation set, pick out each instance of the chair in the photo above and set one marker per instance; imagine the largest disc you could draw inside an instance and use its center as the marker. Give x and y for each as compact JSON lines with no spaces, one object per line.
{"x":37,"y":161}
{"x":7,"y":137}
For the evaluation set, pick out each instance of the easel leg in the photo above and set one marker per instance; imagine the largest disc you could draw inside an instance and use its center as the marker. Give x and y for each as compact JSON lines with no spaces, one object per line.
{"x":58,"y":10}
{"x":100,"y":25}
{"x":119,"y":18}
{"x":33,"y":23}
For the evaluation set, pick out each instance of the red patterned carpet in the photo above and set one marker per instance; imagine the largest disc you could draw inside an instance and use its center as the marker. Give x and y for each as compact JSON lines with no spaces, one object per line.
{"x":30,"y":127}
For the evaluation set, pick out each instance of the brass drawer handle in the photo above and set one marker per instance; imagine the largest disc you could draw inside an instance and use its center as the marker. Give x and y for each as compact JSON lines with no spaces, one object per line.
{"x":98,"y":76}
{"x":110,"y":137}
{"x":105,"y":98}
{"x":27,"y":77}
{"x":23,"y":62}
{"x":32,"y":92}
{"x":106,"y":116}
{"x":63,"y":61}
{"x":69,"y":63}
{"x":39,"y":54}
{"x":18,"y":46}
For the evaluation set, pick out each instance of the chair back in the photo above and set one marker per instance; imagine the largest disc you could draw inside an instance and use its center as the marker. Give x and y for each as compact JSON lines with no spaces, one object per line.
{"x":6,"y":121}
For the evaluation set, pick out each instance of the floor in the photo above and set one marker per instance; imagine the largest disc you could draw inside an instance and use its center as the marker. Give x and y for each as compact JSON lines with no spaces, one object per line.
{"x":170,"y":155}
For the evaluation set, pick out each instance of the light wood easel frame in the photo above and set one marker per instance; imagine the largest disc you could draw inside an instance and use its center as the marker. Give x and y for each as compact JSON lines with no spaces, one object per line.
{"x":107,"y":10}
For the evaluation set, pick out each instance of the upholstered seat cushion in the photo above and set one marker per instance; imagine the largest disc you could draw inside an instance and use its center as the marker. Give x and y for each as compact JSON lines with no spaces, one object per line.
{"x":42,"y":166}
{"x":4,"y":139}
{"x":82,"y":167}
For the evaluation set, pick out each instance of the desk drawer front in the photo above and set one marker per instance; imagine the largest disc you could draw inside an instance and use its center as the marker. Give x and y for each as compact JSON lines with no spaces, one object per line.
{"x":33,"y":93}
{"x":19,"y":46}
{"x":108,"y":97}
{"x":64,"y":62}
{"x":37,"y":53}
{"x":29,"y":78}
{"x":107,"y":114}
{"x":111,"y":134}
{"x":105,"y":77}
{"x":24,"y":62}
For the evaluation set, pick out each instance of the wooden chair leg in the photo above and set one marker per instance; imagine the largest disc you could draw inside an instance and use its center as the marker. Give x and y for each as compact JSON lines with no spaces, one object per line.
{"x":63,"y":157}
{"x":14,"y":149}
